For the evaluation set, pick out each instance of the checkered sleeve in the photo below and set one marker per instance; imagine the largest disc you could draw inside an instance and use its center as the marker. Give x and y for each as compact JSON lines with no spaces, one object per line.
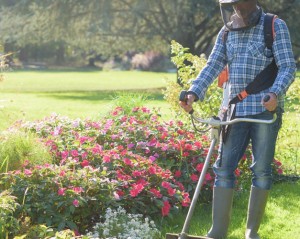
{"x":215,"y":64}
{"x":283,"y":54}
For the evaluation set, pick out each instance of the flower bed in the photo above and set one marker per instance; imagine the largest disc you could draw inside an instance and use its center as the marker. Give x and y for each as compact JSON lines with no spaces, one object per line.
{"x":135,"y":161}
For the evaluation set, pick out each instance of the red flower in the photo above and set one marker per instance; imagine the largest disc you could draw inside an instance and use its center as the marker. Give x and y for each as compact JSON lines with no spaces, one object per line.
{"x":156,"y":192}
{"x":186,"y":200}
{"x":152,"y":170}
{"x":127,"y":161}
{"x":199,"y":167}
{"x":194,"y":177}
{"x":136,"y":189}
{"x":85,"y":163}
{"x":208,"y":177}
{"x":177,"y":174}
{"x":166,"y":208}
{"x":237,"y":172}
{"x":166,"y":185}
{"x":171,"y":191}
{"x":198,"y":144}
{"x":188,"y":147}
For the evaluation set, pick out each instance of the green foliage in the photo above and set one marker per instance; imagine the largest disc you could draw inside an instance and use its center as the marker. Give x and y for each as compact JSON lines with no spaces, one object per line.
{"x":8,"y":223}
{"x":188,"y":66}
{"x":58,"y":196}
{"x":128,"y":101}
{"x":18,"y":148}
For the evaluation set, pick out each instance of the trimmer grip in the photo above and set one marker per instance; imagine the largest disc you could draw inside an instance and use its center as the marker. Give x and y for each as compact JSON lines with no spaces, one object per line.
{"x":266,"y":98}
{"x":183,"y":98}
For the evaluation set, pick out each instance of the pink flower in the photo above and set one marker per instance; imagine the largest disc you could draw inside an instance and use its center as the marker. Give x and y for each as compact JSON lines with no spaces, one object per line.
{"x":166,"y":208}
{"x":130,"y":146}
{"x":97,"y":149}
{"x":152,"y":158}
{"x":78,"y":190}
{"x":64,"y":154}
{"x":127,"y":161}
{"x":62,"y":173}
{"x":136,"y":173}
{"x":61,"y":191}
{"x":27,"y":172}
{"x":84,"y":155}
{"x":83,"y":139}
{"x":85,"y":163}
{"x":106,"y":159}
{"x":279,"y":171}
{"x":76,"y":203}
{"x":74,"y":153}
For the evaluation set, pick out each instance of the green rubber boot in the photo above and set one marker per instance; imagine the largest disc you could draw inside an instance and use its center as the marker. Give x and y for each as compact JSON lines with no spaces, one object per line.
{"x":256,"y":209}
{"x":221,"y":211}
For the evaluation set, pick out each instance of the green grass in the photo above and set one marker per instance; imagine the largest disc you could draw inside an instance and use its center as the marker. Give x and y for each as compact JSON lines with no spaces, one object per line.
{"x":87,"y":81}
{"x":32,"y":95}
{"x":281,"y":218}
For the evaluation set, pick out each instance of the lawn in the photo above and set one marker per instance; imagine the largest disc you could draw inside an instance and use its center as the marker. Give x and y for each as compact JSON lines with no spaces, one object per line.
{"x":30,"y":95}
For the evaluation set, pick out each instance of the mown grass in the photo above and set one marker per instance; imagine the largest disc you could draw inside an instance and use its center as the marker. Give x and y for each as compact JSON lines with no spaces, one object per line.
{"x":281,"y":218}
{"x":30,"y":95}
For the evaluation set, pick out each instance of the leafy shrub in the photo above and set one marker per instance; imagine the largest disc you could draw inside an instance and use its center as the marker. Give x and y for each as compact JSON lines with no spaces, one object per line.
{"x":18,"y":148}
{"x":8,"y":205}
{"x":128,"y":100}
{"x":188,"y":67}
{"x":60,"y":196}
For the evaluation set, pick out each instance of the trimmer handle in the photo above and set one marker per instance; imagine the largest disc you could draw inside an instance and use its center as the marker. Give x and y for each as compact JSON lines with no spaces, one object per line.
{"x":266,"y":98}
{"x":183,"y":98}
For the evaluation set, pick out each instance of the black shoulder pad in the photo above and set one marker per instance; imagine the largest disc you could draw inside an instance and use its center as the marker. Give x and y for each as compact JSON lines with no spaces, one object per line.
{"x":269,"y":29}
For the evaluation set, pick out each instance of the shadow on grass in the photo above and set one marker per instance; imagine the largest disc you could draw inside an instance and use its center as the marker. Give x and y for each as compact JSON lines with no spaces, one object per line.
{"x":154,"y":94}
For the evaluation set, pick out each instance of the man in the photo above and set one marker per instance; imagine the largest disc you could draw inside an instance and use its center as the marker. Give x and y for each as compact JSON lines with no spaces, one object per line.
{"x":246,"y":55}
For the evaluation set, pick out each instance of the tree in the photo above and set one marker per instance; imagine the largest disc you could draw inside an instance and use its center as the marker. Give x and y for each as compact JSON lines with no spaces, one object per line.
{"x":114,"y":27}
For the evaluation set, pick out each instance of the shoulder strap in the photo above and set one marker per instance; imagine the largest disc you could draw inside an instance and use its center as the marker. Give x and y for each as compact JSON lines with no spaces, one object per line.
{"x":269,"y":32}
{"x":225,"y":35}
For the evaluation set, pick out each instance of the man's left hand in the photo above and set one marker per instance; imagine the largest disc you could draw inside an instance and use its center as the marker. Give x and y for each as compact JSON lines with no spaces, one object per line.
{"x":271,"y":104}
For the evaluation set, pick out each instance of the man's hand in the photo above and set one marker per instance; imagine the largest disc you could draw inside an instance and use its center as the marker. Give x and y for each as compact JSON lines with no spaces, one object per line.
{"x":271,"y":104}
{"x":187,"y":105}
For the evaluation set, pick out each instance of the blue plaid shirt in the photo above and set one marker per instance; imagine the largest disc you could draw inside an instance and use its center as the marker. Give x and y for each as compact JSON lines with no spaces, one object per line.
{"x":246,"y":56}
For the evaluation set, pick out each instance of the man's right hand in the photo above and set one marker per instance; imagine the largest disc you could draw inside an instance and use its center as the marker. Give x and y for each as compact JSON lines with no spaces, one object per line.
{"x":187,"y":104}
